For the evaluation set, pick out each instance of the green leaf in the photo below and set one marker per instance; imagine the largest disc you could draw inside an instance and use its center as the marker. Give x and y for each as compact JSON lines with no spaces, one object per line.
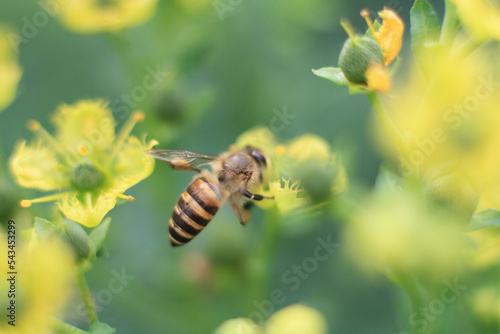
{"x":99,"y":233}
{"x":101,"y":328}
{"x":425,"y":30}
{"x":484,"y":219}
{"x":44,"y":229}
{"x":333,"y":74}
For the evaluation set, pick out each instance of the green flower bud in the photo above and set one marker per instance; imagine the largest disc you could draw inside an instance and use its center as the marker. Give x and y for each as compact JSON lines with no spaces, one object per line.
{"x":77,"y":238}
{"x":86,"y":177}
{"x":357,"y":54}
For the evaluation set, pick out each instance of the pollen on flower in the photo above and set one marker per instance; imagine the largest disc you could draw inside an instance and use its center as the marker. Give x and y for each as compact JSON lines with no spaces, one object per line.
{"x":25,"y":203}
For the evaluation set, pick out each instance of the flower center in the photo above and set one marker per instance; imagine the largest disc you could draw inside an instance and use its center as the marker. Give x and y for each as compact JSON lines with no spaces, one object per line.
{"x":86,"y":177}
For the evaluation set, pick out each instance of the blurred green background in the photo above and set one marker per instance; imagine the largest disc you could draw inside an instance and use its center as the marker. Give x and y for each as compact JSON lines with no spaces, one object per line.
{"x":225,"y":76}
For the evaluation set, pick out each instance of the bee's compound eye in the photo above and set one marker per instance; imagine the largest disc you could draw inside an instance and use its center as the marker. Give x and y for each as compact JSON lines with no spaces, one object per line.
{"x":259,"y":157}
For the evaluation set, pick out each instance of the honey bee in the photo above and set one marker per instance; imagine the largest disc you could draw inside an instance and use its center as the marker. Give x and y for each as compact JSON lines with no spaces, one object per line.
{"x":233,"y":172}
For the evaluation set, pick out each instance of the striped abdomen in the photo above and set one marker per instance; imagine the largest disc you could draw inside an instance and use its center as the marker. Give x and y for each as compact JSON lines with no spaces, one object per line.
{"x":194,"y":210}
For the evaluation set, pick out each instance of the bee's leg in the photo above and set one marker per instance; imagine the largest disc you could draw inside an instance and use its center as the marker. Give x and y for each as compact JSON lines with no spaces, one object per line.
{"x":255,"y":197}
{"x":244,"y":216}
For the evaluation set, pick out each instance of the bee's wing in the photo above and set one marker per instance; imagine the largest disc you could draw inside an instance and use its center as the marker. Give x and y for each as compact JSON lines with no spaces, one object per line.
{"x":181,"y":160}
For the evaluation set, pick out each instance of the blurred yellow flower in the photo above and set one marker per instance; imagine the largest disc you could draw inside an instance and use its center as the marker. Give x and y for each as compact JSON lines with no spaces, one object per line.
{"x":239,"y":325}
{"x":452,"y":120}
{"x":481,"y":18}
{"x":95,"y":16}
{"x":10,"y":71}
{"x":43,"y":285}
{"x":294,"y":319}
{"x":85,"y":159}
{"x":399,"y":230}
{"x":309,"y":147}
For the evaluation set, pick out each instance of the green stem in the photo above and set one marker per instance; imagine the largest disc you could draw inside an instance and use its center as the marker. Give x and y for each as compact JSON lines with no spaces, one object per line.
{"x":389,"y":127}
{"x":88,"y":303}
{"x":451,"y":25}
{"x":60,"y":327}
{"x":412,"y":289}
{"x":262,"y":260}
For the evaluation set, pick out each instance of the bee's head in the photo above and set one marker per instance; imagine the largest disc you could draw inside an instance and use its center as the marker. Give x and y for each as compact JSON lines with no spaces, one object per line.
{"x":238,"y":164}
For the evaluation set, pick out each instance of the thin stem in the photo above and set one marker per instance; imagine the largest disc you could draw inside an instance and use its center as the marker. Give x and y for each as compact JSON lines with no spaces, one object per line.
{"x":412,"y":289}
{"x":88,"y":303}
{"x":470,"y":46}
{"x":451,"y":25}
{"x":262,"y":260}
{"x":60,"y":327}
{"x":389,"y":127}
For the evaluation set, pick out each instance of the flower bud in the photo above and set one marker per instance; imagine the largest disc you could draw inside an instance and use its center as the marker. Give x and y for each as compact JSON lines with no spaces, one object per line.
{"x":357,"y":54}
{"x":86,"y":177}
{"x":77,"y":239}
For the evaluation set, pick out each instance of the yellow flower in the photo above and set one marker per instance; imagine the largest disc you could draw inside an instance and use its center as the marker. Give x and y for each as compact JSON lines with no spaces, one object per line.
{"x":453,"y":120}
{"x":85,"y":159}
{"x":481,"y":18}
{"x":92,"y":16}
{"x":399,"y":230}
{"x":43,"y":284}
{"x":294,"y":319}
{"x":390,"y":34}
{"x":10,"y":72}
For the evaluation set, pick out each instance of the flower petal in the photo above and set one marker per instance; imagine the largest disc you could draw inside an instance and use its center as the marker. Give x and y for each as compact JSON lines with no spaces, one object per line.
{"x":132,"y":165}
{"x":378,"y":78}
{"x":36,"y":166}
{"x":91,"y":210}
{"x":390,"y":35}
{"x":88,"y":123}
